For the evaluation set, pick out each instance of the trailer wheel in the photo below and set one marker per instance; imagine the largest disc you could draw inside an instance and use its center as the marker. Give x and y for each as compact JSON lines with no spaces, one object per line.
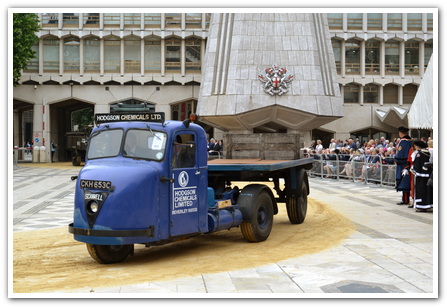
{"x":260,"y":226}
{"x":107,"y":254}
{"x":297,"y":206}
{"x":76,"y":161}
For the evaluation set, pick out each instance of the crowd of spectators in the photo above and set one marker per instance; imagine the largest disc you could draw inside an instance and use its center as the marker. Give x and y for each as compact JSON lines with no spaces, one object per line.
{"x":215,"y":147}
{"x":351,"y":159}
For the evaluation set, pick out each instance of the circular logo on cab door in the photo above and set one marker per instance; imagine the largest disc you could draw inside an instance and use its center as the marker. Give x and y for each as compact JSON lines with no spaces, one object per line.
{"x":183,"y":179}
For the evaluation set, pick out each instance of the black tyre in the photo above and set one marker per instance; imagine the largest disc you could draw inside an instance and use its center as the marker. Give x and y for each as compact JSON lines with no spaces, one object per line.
{"x":261,"y":222}
{"x":297,"y":206}
{"x":107,"y":254}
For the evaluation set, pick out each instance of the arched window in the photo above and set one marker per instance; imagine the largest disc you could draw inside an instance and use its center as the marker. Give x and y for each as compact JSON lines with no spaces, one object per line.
{"x":112,"y":51}
{"x":132,"y":52}
{"x":71,"y":54}
{"x":390,"y":94}
{"x":152,"y":54}
{"x":193,"y":54}
{"x":336,"y":47}
{"x":352,"y":55}
{"x":370,"y":93}
{"x":351,"y":93}
{"x":392,"y":57}
{"x":50,"y":54}
{"x":172,"y":54}
{"x":412,"y":57}
{"x":372,"y":57}
{"x":91,"y":54}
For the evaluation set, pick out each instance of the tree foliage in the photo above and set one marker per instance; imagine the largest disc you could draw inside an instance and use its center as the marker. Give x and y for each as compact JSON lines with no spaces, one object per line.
{"x":25,"y":26}
{"x":82,"y":118}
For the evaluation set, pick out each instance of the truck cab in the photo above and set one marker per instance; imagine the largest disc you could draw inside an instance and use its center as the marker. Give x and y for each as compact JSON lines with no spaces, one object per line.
{"x":146,"y":182}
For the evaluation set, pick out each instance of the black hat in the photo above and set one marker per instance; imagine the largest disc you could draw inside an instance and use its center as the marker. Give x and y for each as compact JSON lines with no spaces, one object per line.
{"x":420,"y":144}
{"x":403,"y":129}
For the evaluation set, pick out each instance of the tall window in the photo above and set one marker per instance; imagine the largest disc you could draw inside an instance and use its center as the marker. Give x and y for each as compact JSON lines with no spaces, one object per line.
{"x":132,"y":20}
{"x":172,"y":54}
{"x":71,"y":20}
{"x":111,"y":20}
{"x":408,"y":93}
{"x":414,"y":21}
{"x":394,"y":21}
{"x":370,"y":93}
{"x":193,"y":54}
{"x":336,"y":46}
{"x":392,"y":57}
{"x":351,"y":93}
{"x":152,"y":20}
{"x":91,"y":54}
{"x":132,"y":51}
{"x":50,"y":54}
{"x":390,"y":94}
{"x":374,"y":21}
{"x":152,"y":54}
{"x":372,"y":57}
{"x":355,"y":21}
{"x":71,"y":54}
{"x":173,"y":20}
{"x":91,"y":20}
{"x":352,"y":55}
{"x":411,"y":57}
{"x":33,"y":64}
{"x":335,"y":21}
{"x":193,"y":20}
{"x":112,"y":54}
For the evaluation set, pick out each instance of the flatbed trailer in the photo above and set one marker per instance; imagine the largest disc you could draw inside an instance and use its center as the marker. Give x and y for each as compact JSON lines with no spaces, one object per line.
{"x":148,"y":181}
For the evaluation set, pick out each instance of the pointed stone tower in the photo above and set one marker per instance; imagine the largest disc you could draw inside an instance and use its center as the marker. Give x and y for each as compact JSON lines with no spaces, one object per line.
{"x":267,"y":81}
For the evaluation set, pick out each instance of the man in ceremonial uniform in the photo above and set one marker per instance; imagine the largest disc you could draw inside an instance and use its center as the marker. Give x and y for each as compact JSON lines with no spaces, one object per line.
{"x":402,"y":165}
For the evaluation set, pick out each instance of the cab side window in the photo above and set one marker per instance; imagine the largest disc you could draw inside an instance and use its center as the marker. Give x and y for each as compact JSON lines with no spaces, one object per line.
{"x":184,"y":155}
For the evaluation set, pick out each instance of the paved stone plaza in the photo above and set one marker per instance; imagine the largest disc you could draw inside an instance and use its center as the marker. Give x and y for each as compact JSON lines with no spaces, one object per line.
{"x":392,"y":252}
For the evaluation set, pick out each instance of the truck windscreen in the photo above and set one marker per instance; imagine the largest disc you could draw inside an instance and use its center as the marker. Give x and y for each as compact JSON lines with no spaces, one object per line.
{"x":145,"y":144}
{"x":104,"y":144}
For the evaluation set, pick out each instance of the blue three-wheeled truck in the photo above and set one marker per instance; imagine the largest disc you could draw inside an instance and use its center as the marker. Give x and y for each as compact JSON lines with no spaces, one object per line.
{"x":148,"y":181}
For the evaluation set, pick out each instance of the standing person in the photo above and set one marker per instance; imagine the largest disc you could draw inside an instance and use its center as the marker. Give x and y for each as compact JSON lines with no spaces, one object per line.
{"x":422,"y":174}
{"x":402,"y":166}
{"x":53,"y":150}
{"x":319,"y":147}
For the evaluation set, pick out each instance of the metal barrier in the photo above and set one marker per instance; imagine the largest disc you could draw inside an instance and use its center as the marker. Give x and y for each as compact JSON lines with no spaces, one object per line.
{"x":355,"y":168}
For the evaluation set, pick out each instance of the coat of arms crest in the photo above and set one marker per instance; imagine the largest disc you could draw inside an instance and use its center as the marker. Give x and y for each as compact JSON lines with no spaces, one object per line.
{"x":276,"y":80}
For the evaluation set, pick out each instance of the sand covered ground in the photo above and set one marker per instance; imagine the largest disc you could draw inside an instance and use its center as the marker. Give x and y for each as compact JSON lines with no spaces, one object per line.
{"x":50,"y":260}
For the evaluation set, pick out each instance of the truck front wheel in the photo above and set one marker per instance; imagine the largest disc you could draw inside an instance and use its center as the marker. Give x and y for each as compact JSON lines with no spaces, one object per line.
{"x":107,"y":254}
{"x":260,"y":226}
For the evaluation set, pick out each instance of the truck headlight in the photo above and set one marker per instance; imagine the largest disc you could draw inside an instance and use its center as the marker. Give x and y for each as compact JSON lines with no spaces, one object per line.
{"x":93,"y":207}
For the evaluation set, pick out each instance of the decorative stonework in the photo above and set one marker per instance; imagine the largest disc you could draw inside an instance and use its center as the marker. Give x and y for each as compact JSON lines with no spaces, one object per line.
{"x":275,"y":80}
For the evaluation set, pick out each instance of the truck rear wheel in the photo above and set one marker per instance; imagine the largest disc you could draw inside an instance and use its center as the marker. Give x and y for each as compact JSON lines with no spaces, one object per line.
{"x":260,"y":226}
{"x":297,"y":206}
{"x":107,"y":254}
